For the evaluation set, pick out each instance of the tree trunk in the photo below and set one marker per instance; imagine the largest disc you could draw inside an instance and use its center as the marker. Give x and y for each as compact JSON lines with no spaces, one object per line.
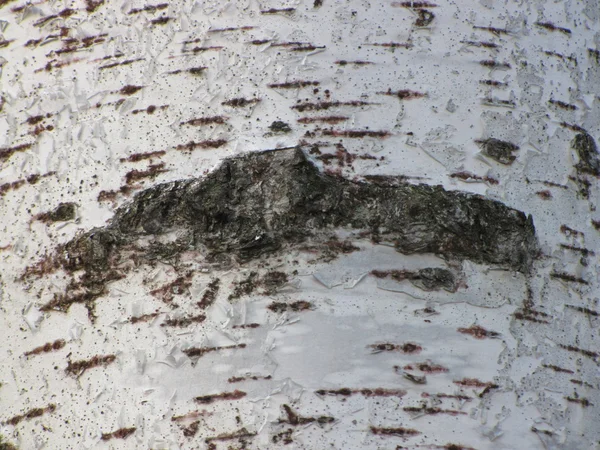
{"x":329,"y":224}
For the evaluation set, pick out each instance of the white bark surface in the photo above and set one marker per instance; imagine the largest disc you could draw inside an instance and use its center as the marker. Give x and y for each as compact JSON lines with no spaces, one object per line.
{"x":66,"y":114}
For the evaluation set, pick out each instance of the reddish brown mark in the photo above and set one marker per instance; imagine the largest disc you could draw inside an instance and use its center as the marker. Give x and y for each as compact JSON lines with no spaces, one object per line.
{"x":546,"y":432}
{"x":450,"y":396}
{"x":202,"y":144}
{"x":207,"y":399}
{"x":376,"y":392}
{"x":122,"y":63}
{"x":356,"y":133}
{"x":307,"y":48}
{"x":7,"y":152}
{"x":494,"y":30}
{"x":241,"y":434}
{"x":494,"y":64}
{"x":104,"y":196}
{"x":247,"y":325}
{"x":178,"y":286}
{"x":586,"y":311}
{"x":203,"y":49}
{"x":31,"y":179}
{"x":430,"y":411}
{"x":150,"y":109}
{"x":222,"y":30}
{"x":149,"y":8}
{"x":473,"y":382}
{"x":468,"y":176}
{"x":551,"y":27}
{"x":193,"y":71}
{"x":220,"y":120}
{"x":79,"y":367}
{"x":409,"y":348}
{"x":91,"y":5}
{"x":568,"y":277}
{"x":295,"y":419}
{"x":572,"y":348}
{"x":563,"y":105}
{"x":47,"y":348}
{"x":31,"y":414}
{"x":129,"y":89}
{"x":478,"y":332}
{"x":493,"y":83}
{"x":343,"y":62}
{"x":392,"y":44}
{"x":278,"y":11}
{"x":563,"y":57}
{"x":201,"y":351}
{"x":192,"y":429}
{"x":414,"y":5}
{"x":557,"y":368}
{"x":121,"y":433}
{"x":426,"y":367}
{"x":530,"y":315}
{"x":152,"y":172}
{"x":327,"y":119}
{"x":250,"y":377}
{"x":285,"y":437}
{"x":144,"y":317}
{"x":300,"y":305}
{"x":63,"y":15}
{"x":398,"y":431}
{"x":308,"y":106}
{"x":552,"y":184}
{"x":582,"y":250}
{"x":240,"y":102}
{"x":483,"y":44}
{"x":161,"y":20}
{"x":183,"y":321}
{"x":493,"y":101}
{"x":544,"y":195}
{"x":210,"y":295}
{"x":136,"y":157}
{"x":293,"y":84}
{"x":582,"y":401}
{"x":190,"y":416}
{"x":573,"y":127}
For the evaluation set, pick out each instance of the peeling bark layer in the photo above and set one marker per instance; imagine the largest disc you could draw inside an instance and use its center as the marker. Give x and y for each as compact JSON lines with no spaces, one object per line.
{"x":258,"y":203}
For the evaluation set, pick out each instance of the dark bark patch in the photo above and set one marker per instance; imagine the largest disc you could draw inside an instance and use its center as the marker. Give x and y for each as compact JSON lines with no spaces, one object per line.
{"x":230,"y":212}
{"x":501,"y":151}
{"x":587,"y":151}
{"x":62,"y":213}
